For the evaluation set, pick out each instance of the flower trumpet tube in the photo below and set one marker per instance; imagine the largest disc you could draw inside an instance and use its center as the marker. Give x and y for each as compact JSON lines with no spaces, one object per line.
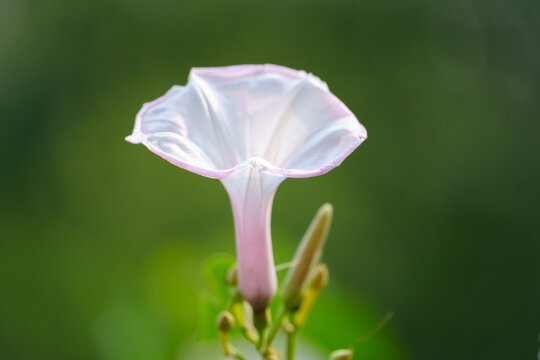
{"x":251,"y":192}
{"x":251,"y":126}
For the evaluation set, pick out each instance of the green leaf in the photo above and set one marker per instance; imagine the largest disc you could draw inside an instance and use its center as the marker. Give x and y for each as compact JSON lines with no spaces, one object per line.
{"x":213,"y":301}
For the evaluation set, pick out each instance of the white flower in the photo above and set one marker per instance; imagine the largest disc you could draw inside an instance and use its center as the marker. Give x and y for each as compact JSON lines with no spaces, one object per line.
{"x":251,"y":126}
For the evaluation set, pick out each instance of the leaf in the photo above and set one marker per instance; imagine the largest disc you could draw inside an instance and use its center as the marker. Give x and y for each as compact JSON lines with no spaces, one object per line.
{"x":213,"y":301}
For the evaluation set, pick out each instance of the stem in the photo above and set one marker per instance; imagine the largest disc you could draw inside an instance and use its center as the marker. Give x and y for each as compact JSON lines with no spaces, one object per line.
{"x":228,"y":349}
{"x":291,"y":344}
{"x":276,"y":325}
{"x":305,"y":307}
{"x":224,"y":340}
{"x":237,"y":356}
{"x":262,"y":345}
{"x":248,"y":330}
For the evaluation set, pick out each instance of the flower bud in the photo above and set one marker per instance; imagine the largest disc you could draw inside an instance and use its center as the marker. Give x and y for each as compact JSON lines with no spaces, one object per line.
{"x":342,"y":354}
{"x":272,"y":354}
{"x":225,"y":321}
{"x":231,"y":276}
{"x":307,"y":256}
{"x":319,"y":279}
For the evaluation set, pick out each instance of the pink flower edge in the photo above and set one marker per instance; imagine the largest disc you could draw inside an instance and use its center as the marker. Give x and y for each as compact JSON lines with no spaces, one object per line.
{"x":239,"y":72}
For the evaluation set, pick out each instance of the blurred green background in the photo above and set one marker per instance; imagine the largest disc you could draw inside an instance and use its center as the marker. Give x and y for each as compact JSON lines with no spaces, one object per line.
{"x":436,"y":214}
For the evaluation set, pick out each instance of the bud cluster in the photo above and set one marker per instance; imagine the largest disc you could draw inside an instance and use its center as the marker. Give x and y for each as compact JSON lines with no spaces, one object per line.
{"x":306,"y":278}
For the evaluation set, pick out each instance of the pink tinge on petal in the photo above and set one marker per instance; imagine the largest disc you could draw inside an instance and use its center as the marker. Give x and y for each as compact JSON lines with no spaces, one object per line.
{"x":239,"y":72}
{"x":227,"y":117}
{"x":252,"y":193}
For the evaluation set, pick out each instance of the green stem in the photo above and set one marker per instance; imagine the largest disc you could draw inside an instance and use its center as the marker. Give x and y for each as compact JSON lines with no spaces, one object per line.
{"x":276,"y":325}
{"x":262,"y":345}
{"x":291,"y":344}
{"x":248,"y":330}
{"x":305,"y":307}
{"x":228,"y":349}
{"x":237,"y":356}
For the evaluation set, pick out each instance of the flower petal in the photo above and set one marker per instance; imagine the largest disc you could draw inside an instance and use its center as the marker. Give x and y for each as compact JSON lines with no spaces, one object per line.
{"x":230,"y":118}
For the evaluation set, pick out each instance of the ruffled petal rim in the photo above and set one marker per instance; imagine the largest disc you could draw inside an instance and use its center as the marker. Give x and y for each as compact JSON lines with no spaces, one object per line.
{"x":240,"y":71}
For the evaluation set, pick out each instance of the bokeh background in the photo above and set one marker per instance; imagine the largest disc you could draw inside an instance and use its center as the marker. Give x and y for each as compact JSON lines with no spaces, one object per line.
{"x":436,"y":214}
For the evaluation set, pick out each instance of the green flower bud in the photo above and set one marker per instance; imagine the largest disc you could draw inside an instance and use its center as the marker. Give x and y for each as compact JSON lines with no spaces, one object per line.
{"x":231,"y":276}
{"x":319,"y":279}
{"x":343,"y":354}
{"x":225,"y":321}
{"x":272,"y":354}
{"x":307,"y":256}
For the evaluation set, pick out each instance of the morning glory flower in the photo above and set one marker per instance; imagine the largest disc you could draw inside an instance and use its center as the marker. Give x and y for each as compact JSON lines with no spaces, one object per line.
{"x":250,"y":126}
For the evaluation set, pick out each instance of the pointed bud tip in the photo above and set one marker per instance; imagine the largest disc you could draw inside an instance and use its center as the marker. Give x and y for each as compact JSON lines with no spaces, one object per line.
{"x":327,"y":210}
{"x":225,"y":321}
{"x":342,"y":354}
{"x":324,"y":215}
